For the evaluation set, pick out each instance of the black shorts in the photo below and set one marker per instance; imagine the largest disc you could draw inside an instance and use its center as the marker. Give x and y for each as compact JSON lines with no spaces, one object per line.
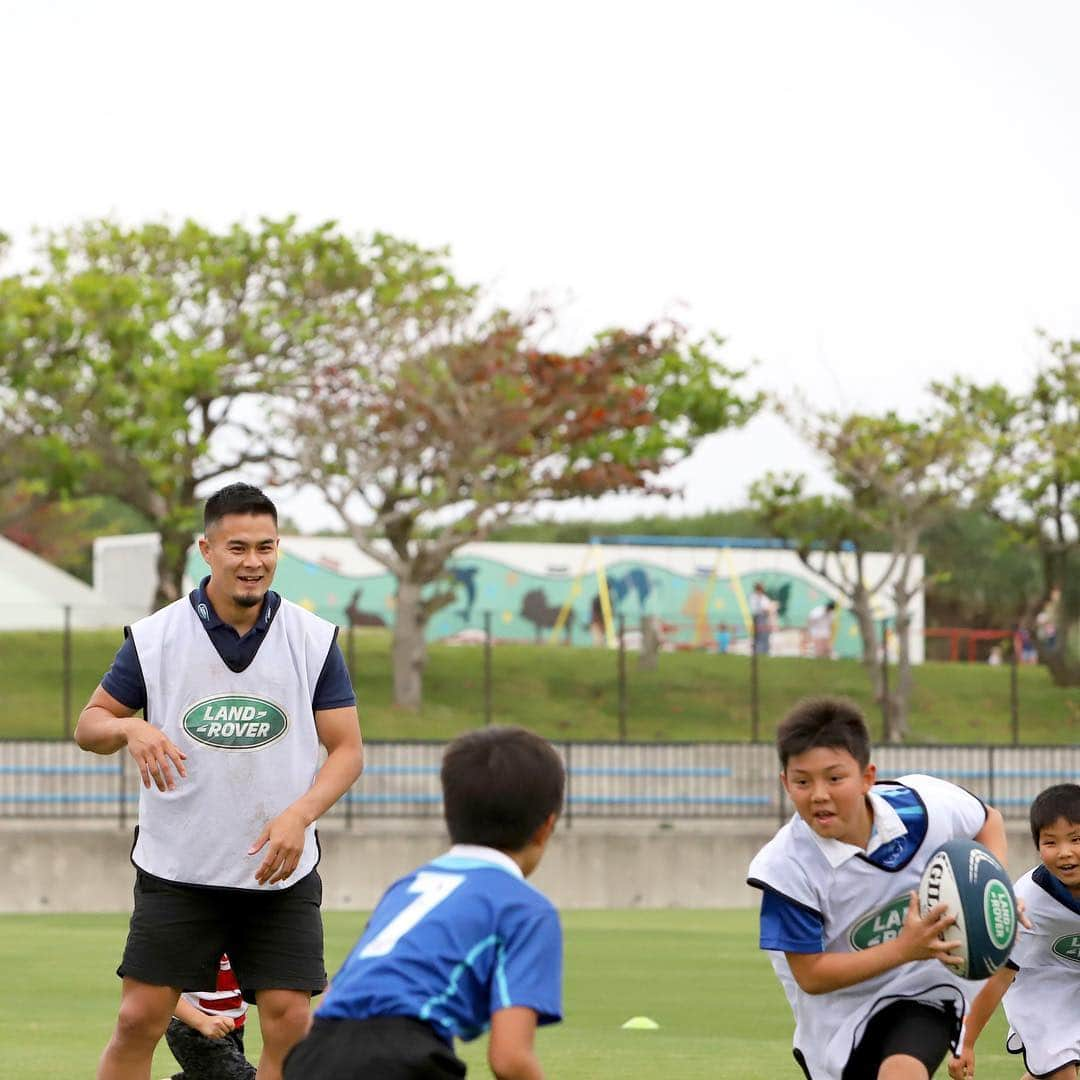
{"x":387,"y":1047}
{"x":178,"y":932}
{"x":905,"y":1027}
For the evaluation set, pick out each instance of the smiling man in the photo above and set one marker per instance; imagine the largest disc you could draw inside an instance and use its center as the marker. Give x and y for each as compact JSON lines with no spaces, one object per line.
{"x":238,"y":689}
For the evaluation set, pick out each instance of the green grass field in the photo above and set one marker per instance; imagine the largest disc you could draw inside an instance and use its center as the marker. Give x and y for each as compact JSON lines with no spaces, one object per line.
{"x":572,"y":693}
{"x":697,"y":973}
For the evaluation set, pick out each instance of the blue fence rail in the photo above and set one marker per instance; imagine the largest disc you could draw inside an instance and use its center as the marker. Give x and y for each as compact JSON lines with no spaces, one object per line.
{"x":43,"y":778}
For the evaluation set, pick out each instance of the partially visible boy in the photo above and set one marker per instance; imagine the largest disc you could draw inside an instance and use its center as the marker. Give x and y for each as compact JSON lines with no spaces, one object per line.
{"x":839,"y":914}
{"x":463,"y":942}
{"x":1041,"y":980}
{"x":206,"y":1033}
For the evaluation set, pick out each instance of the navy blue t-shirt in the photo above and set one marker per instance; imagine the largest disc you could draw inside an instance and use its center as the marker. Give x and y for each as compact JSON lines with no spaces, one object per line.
{"x":124,"y":680}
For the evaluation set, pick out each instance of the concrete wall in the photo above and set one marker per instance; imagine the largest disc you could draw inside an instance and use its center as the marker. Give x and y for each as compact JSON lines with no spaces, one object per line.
{"x":84,"y":866}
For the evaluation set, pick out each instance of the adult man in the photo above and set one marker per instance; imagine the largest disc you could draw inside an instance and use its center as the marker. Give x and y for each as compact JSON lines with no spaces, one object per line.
{"x":819,"y":625}
{"x":239,"y":688}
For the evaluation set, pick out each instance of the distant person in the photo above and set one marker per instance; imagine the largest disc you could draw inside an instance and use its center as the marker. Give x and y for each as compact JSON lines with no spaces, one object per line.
{"x":1046,"y":622}
{"x":239,"y":688}
{"x":995,"y":658}
{"x":461,"y":944}
{"x":762,"y":611}
{"x":723,"y":638}
{"x":1025,"y":646}
{"x":206,"y":1033}
{"x":819,"y":625}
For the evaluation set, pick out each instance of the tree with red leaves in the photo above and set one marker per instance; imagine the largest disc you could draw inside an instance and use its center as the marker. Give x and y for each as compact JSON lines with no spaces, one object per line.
{"x":428,"y":446}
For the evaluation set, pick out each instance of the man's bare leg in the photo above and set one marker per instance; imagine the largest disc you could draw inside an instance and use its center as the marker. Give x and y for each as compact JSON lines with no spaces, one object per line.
{"x":284,"y":1017}
{"x":144,"y":1015}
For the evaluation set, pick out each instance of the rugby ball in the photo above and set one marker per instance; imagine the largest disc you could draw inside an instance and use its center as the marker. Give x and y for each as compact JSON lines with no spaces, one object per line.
{"x":974,"y":886}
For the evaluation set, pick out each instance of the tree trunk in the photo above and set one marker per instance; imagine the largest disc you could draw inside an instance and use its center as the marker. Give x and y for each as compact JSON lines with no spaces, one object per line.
{"x":410,"y":648}
{"x":650,"y":643}
{"x":172,"y":560}
{"x":864,"y":616}
{"x":897,"y":728}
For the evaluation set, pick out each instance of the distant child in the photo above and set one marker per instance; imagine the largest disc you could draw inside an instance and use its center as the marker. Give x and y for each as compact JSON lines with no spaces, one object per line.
{"x":839,"y":914}
{"x":463,"y":942}
{"x":1041,"y":980}
{"x":206,"y":1033}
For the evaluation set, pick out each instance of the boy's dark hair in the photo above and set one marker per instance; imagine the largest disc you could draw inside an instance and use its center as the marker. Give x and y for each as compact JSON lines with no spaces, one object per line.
{"x":236,"y":499}
{"x":500,"y":784}
{"x":833,"y":722}
{"x":1059,"y":801}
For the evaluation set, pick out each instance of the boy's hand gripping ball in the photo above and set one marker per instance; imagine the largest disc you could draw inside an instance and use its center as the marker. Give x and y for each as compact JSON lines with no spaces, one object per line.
{"x":969,"y":880}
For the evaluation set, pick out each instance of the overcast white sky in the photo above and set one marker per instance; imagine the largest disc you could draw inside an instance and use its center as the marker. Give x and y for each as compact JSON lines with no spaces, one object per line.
{"x":861,"y":196}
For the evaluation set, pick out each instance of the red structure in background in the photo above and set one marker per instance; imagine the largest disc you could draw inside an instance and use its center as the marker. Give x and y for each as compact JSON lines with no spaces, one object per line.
{"x":956,"y":634}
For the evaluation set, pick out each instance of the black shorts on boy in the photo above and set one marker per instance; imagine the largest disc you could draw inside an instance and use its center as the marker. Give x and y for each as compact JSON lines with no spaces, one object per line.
{"x":905,"y":1027}
{"x":387,"y":1047}
{"x":178,"y":932}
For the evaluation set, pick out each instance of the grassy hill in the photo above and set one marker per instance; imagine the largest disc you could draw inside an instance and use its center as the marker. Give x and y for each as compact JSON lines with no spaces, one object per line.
{"x":568,"y":693}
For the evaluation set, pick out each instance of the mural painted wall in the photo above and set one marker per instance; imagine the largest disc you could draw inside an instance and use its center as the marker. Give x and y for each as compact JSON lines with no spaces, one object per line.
{"x":549,"y":592}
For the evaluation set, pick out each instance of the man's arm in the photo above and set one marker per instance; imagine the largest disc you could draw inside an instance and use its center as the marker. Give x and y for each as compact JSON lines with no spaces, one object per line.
{"x":107,"y":725}
{"x":919,"y":939}
{"x":510,"y":1046}
{"x":339,"y":732}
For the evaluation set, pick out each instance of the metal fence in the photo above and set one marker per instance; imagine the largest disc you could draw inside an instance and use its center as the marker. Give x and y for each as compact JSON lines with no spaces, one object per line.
{"x":47,"y":779}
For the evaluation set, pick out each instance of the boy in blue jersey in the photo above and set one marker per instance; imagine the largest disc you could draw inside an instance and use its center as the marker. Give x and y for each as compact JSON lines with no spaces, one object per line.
{"x":839,"y":915}
{"x":462,"y":943}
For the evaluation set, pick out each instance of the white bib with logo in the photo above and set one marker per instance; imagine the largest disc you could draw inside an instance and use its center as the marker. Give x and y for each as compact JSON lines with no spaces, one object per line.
{"x":862,"y":905}
{"x":1043,"y":1003}
{"x":249,"y":737}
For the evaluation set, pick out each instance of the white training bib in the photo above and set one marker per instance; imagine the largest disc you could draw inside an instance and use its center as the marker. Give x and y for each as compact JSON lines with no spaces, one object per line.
{"x":862,"y":904}
{"x":1043,"y":1003}
{"x":250,"y":741}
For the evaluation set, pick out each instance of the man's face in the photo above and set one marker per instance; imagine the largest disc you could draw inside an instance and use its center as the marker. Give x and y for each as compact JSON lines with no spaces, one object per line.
{"x":241,"y":551}
{"x":829,"y":789}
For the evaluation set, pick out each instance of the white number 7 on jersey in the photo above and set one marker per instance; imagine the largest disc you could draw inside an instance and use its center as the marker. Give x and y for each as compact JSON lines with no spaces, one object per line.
{"x":433,"y":889}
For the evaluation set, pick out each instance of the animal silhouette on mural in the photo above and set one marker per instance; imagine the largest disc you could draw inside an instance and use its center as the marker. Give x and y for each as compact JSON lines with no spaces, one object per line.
{"x":466,"y":575}
{"x":536,"y":609}
{"x":362,"y":618}
{"x":621,"y":586}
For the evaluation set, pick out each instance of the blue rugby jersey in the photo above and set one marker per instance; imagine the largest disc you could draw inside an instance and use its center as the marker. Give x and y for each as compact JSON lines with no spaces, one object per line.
{"x":452,"y":943}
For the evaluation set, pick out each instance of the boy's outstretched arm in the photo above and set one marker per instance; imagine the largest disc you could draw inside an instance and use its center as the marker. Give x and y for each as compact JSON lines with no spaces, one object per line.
{"x":213,"y":1027}
{"x":919,"y":939}
{"x":510,"y":1046}
{"x":986,"y":1001}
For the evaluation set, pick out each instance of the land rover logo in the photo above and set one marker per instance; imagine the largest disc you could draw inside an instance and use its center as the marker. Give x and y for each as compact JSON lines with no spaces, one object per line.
{"x":1000,"y":914}
{"x":235,"y":723}
{"x":1068,"y":947}
{"x":881,"y":925}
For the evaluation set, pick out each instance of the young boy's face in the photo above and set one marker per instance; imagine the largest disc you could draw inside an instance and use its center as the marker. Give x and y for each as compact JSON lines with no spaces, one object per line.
{"x":1059,"y":849}
{"x":829,"y":788}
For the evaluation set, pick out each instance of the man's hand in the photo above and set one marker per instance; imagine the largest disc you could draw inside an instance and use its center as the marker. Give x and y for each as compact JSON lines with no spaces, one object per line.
{"x":216,"y":1027}
{"x":155,"y":754}
{"x":283,"y":839}
{"x":920,"y":936}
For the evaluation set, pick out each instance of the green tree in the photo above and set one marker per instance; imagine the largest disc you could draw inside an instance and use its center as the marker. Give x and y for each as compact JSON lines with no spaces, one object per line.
{"x":898,"y":477}
{"x":421,"y":450}
{"x":139,"y":363}
{"x":1033,"y":440}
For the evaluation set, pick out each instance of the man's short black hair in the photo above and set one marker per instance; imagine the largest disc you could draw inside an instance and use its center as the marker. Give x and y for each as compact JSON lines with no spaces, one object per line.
{"x":1053,"y":804}
{"x":236,"y":499}
{"x":500,"y":784}
{"x":833,"y":722}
